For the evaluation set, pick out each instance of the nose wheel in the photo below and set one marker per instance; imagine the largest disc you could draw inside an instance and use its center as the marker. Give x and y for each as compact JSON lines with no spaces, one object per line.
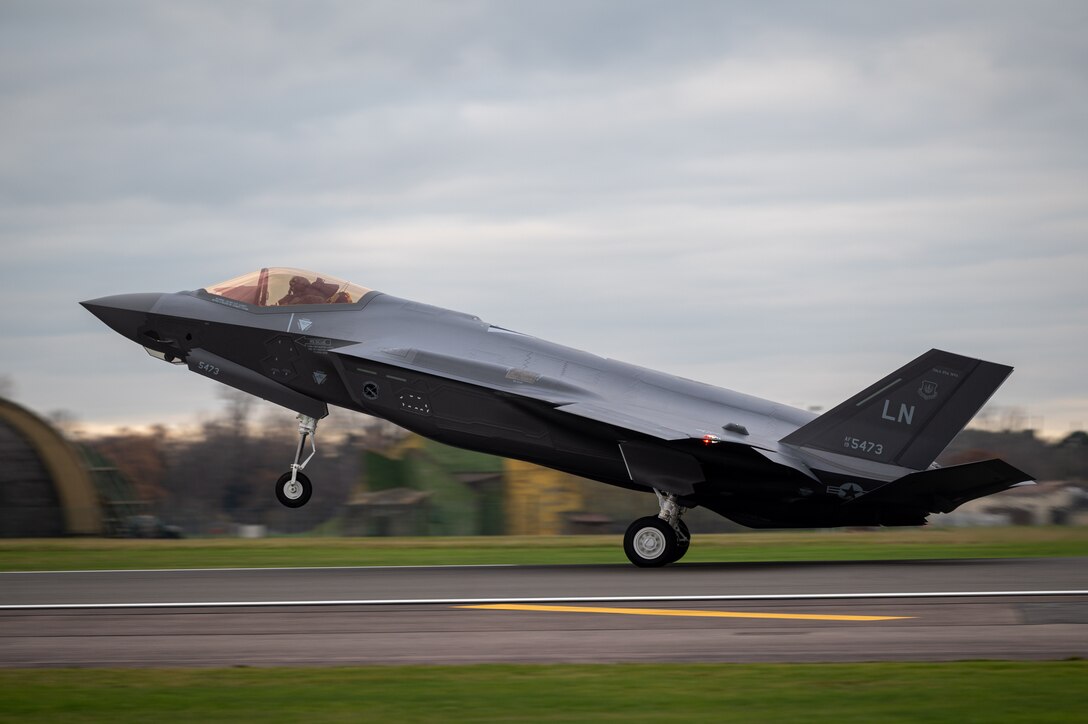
{"x":293,"y":489}
{"x":294,"y":493}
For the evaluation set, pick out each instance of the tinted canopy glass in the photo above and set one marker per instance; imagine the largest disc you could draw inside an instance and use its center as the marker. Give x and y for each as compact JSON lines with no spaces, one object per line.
{"x":282,"y":286}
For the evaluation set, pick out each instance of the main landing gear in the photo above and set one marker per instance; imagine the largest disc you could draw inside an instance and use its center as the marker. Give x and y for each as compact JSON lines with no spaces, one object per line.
{"x":658,"y":540}
{"x":293,"y":489}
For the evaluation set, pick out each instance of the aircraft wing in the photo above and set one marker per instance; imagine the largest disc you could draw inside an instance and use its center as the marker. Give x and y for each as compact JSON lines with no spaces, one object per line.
{"x":660,"y":424}
{"x":628,"y":421}
{"x":657,"y":424}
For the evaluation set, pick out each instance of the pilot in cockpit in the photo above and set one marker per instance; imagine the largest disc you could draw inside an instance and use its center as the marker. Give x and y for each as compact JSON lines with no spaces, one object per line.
{"x":302,"y":291}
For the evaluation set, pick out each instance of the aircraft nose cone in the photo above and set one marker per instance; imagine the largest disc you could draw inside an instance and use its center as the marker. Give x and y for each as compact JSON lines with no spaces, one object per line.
{"x":123,"y":313}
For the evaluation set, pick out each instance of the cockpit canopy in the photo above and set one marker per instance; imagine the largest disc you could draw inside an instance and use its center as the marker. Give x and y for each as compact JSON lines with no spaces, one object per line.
{"x":282,"y":286}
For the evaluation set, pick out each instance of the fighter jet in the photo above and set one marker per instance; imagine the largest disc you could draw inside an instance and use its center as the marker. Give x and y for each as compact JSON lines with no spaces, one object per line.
{"x":305,"y":341}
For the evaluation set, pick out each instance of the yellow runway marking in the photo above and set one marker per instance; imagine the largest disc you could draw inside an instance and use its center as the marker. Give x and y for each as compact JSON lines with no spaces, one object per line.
{"x":682,"y":612}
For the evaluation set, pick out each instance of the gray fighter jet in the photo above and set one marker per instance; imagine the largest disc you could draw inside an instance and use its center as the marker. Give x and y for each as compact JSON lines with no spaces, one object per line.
{"x":305,"y":341}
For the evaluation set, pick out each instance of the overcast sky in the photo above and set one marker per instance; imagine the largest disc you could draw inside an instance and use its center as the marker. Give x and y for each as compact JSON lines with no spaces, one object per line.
{"x":790,"y":199}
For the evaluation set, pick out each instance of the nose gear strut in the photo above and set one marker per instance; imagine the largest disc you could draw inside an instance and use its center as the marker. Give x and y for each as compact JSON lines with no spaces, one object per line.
{"x":294,"y":489}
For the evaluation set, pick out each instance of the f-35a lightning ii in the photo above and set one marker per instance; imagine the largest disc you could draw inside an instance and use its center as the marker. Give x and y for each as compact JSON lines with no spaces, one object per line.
{"x":305,"y":341}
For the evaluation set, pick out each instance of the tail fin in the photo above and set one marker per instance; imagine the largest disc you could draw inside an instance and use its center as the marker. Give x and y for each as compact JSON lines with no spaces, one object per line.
{"x":908,"y":417}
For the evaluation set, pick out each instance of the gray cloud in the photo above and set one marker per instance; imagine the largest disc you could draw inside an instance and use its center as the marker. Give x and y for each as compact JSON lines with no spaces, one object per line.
{"x":788,"y":199}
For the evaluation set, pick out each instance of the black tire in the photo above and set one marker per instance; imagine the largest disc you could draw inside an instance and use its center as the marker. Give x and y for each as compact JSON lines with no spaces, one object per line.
{"x":297,"y":497}
{"x":682,"y":545}
{"x":650,"y":542}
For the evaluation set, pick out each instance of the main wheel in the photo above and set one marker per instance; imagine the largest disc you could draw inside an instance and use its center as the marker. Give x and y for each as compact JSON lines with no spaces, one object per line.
{"x":650,"y":542}
{"x":294,"y":494}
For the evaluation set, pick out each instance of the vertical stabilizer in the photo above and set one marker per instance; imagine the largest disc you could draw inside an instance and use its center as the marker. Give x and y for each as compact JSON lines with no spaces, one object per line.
{"x":908,"y":417}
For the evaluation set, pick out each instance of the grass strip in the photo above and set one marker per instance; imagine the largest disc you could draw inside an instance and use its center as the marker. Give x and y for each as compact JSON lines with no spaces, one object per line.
{"x":885,"y":692}
{"x":839,"y":545}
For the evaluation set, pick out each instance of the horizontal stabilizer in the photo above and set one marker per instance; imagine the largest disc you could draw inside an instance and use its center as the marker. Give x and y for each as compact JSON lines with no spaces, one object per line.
{"x":910,"y":416}
{"x":942,"y":490}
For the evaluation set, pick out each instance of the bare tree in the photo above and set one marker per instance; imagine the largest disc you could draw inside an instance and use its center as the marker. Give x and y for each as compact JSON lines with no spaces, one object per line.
{"x":239,"y":408}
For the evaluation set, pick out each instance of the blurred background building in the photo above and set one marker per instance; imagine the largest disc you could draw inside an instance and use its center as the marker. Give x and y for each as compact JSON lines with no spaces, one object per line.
{"x":50,"y":486}
{"x":46,"y":486}
{"x":420,"y":487}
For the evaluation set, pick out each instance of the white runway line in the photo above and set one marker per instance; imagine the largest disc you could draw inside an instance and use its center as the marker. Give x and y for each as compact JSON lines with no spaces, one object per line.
{"x":548,"y":599}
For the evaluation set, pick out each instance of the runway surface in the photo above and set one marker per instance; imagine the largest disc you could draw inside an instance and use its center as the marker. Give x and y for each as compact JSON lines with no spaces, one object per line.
{"x":871,"y":611}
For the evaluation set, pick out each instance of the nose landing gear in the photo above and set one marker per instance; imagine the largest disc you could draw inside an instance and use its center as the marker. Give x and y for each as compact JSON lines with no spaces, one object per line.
{"x":293,"y":489}
{"x":658,"y":540}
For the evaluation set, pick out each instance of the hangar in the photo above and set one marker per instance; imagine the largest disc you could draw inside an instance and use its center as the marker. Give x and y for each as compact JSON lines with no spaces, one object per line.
{"x":46,"y":488}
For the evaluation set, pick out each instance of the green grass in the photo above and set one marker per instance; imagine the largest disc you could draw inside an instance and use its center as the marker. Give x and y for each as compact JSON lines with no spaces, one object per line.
{"x":885,"y":544}
{"x":954,"y":692}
